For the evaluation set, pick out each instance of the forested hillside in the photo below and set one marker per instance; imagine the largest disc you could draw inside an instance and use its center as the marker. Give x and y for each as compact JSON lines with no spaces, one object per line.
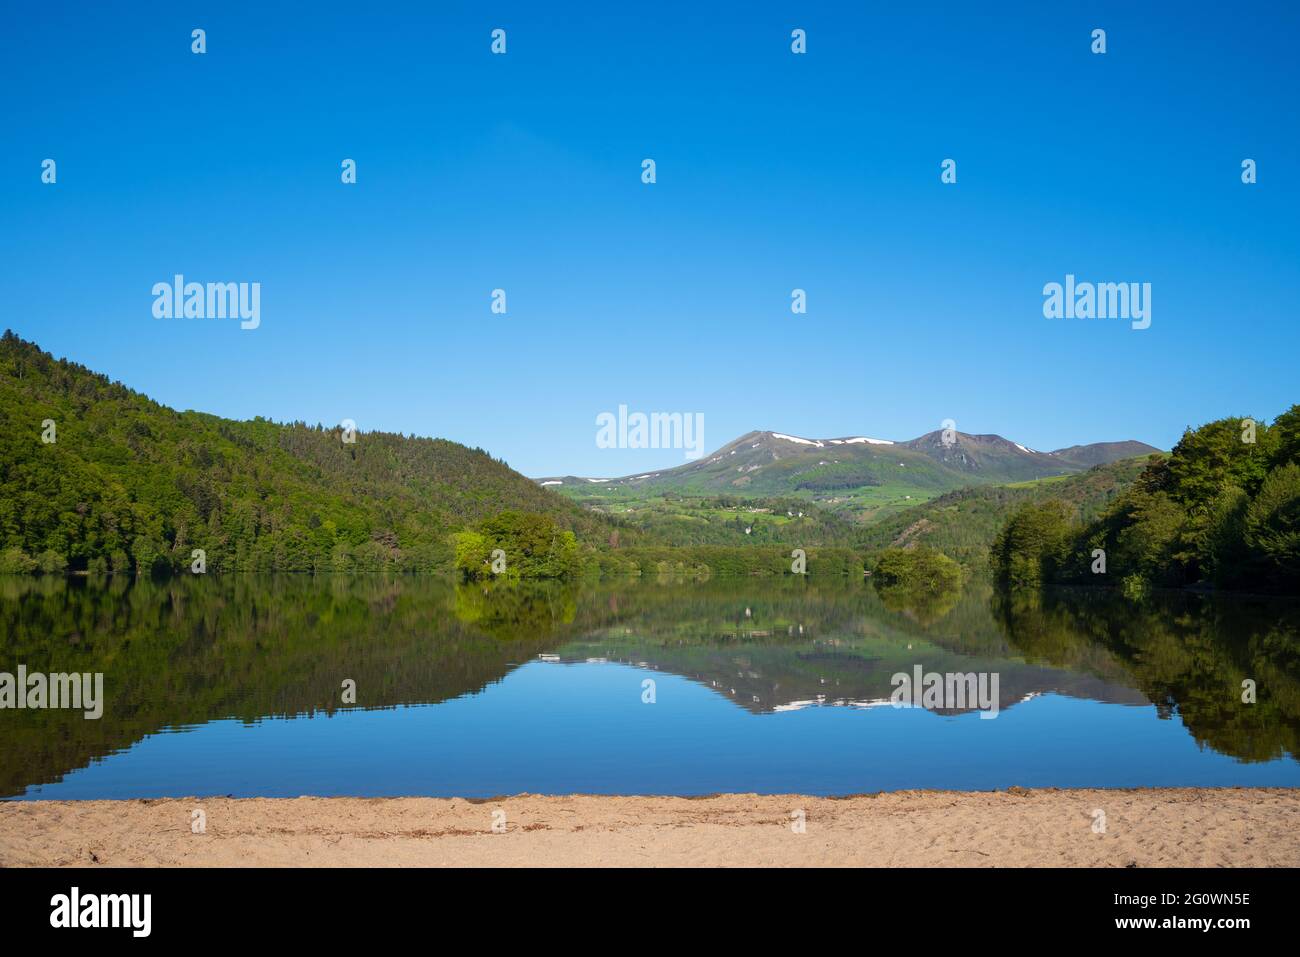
{"x":95,"y":476}
{"x":1223,"y":508}
{"x":963,"y":524}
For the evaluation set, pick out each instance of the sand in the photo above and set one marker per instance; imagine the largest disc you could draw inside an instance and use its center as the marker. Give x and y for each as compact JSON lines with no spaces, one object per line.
{"x":1197,"y":827}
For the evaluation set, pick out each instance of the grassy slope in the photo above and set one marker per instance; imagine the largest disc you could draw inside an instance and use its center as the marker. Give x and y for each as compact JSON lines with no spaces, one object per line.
{"x":720,"y":520}
{"x":863,"y":482}
{"x":964,"y":523}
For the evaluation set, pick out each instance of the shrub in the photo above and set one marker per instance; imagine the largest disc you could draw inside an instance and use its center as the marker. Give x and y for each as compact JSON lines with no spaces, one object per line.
{"x":50,"y":562}
{"x":921,"y":570}
{"x":13,"y":561}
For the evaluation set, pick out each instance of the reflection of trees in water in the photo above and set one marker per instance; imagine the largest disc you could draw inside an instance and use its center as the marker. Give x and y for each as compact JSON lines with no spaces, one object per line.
{"x":191,"y":650}
{"x":927,"y":607}
{"x":1188,"y":653}
{"x":511,"y":611}
{"x":197,"y":649}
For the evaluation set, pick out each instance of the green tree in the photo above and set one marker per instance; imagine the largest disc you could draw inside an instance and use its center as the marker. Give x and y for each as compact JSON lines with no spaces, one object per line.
{"x":1216,"y":455}
{"x":530,"y":547}
{"x":1033,"y":544}
{"x":918,"y":569}
{"x":1286,"y":429}
{"x":1272,"y":524}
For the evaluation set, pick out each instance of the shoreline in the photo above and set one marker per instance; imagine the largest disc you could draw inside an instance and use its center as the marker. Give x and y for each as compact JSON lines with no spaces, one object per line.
{"x":1018,"y":827}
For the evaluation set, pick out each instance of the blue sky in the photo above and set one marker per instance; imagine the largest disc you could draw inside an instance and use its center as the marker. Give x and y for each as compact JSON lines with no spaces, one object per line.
{"x":775,"y":171}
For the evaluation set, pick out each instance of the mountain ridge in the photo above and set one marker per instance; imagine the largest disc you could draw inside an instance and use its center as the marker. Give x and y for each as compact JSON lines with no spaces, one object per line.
{"x":769,"y":462}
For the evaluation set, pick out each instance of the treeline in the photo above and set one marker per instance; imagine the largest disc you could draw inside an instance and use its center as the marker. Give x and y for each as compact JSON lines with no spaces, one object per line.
{"x":676,"y":519}
{"x":95,"y":477}
{"x":703,"y":562}
{"x":1223,"y":508}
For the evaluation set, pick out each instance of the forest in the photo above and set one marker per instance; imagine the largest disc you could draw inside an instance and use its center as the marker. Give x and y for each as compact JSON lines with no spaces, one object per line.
{"x":97,"y":478}
{"x":1221,"y":510}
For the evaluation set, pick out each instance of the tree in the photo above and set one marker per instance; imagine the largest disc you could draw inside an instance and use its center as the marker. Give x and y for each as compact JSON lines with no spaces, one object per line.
{"x":1286,"y":429}
{"x":1032,"y":546}
{"x":1215,"y":455}
{"x":1272,"y":525}
{"x":918,"y":569}
{"x":520,"y":545}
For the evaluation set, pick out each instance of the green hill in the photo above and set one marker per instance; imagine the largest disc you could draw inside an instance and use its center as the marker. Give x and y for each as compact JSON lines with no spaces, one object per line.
{"x":862,"y":479}
{"x":131,"y":485}
{"x":963,"y":524}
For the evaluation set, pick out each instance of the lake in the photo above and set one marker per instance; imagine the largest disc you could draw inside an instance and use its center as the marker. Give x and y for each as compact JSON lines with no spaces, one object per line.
{"x":239,"y":685}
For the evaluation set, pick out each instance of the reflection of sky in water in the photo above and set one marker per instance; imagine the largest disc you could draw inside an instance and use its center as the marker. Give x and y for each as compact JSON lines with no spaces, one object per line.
{"x":564,"y":728}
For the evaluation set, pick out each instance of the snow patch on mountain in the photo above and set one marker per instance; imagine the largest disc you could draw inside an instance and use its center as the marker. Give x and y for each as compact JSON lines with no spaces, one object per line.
{"x":795,"y":438}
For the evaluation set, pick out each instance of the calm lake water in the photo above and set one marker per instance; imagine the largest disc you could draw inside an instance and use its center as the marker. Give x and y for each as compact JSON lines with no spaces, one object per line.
{"x":234,"y":685}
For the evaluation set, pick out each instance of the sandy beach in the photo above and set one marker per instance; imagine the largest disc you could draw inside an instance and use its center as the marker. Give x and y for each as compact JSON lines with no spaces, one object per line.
{"x":1197,"y":827}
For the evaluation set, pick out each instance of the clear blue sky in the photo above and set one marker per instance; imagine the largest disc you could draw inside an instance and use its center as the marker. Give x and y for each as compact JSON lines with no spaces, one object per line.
{"x":775,"y":171}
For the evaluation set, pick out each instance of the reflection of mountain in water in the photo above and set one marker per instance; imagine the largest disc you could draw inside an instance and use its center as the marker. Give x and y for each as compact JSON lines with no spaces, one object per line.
{"x":194,"y":650}
{"x":764,"y":660}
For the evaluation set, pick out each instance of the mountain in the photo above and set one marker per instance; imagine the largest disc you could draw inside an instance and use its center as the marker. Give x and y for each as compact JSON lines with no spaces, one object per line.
{"x":988,"y":458}
{"x":1099,"y":453}
{"x":867,"y":475}
{"x":129,"y":484}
